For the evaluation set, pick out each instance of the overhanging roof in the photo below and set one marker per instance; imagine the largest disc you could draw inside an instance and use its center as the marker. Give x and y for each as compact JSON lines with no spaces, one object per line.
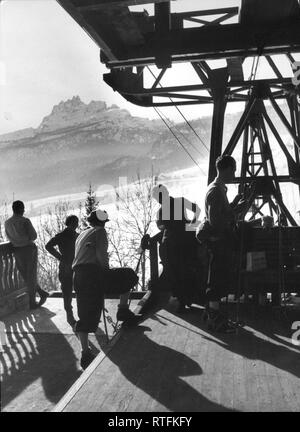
{"x":129,"y":38}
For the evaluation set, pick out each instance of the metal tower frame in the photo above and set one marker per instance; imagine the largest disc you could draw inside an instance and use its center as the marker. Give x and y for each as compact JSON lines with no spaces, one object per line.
{"x":131,"y":41}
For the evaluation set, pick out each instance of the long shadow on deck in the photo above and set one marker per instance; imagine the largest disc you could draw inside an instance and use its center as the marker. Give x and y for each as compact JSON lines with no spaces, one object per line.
{"x":31,"y":356}
{"x":249,"y":343}
{"x":159,"y":371}
{"x":162,"y":370}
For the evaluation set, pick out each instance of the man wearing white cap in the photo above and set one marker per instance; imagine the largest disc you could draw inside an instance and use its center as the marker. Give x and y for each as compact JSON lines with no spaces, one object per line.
{"x":92,"y":278}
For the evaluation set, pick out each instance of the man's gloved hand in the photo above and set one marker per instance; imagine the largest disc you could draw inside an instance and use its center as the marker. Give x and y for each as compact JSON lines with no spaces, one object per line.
{"x":241,"y":206}
{"x":236,"y":200}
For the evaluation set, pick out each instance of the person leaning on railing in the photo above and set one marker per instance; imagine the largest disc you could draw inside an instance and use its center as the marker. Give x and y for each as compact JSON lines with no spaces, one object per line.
{"x":21,"y":233}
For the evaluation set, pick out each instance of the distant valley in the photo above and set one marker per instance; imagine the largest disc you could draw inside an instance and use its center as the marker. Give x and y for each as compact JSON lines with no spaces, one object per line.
{"x":79,"y":143}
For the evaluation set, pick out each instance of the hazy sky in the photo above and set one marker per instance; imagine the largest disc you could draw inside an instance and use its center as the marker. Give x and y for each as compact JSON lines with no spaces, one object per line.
{"x":46,"y":57}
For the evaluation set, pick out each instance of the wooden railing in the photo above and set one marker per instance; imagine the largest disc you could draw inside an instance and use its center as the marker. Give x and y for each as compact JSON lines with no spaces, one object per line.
{"x":12,"y":287}
{"x":282,"y":250}
{"x":153,"y":248}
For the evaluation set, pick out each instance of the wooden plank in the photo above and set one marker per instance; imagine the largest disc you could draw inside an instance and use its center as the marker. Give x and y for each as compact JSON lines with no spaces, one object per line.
{"x":284,"y":363}
{"x":196,"y":348}
{"x":126,"y":378}
{"x":239,"y":383}
{"x":251,"y":379}
{"x":148,"y":383}
{"x":227,"y":381}
{"x":105,"y":378}
{"x":277,"y":400}
{"x":179,"y":366}
{"x":120,"y":372}
{"x":171,"y":391}
{"x":83,"y":379}
{"x":209,"y":371}
{"x":263,"y":393}
{"x":199,"y":387}
{"x":290,"y":389}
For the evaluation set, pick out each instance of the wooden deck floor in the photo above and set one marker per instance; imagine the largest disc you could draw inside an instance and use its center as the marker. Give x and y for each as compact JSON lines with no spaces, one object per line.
{"x":171,"y":363}
{"x":41,"y":359}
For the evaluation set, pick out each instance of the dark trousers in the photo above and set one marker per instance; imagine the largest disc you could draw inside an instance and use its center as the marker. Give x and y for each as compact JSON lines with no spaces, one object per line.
{"x":89,"y":289}
{"x":65,"y":276}
{"x":90,"y":284}
{"x":26,"y":261}
{"x":177,"y":256}
{"x":221,"y":270}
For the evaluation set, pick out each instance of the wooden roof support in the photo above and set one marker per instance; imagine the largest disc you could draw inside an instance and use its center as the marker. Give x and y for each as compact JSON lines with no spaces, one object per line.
{"x":209,"y":42}
{"x":95,"y":5}
{"x":162,"y":30}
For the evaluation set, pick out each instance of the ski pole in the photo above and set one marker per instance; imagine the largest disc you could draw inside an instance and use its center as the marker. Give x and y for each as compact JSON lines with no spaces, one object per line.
{"x":240,"y":276}
{"x":105,"y":324}
{"x":136,"y":271}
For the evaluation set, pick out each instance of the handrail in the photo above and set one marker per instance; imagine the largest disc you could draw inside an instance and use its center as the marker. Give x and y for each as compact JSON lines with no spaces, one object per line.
{"x":10,"y":278}
{"x":151,"y":243}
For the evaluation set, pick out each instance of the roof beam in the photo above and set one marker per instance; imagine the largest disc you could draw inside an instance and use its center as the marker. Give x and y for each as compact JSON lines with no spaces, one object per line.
{"x":236,"y":86}
{"x":208,"y":42}
{"x":100,"y":4}
{"x":207,"y":12}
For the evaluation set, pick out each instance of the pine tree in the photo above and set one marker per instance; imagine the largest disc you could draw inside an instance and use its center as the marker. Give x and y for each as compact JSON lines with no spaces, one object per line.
{"x":90,"y":204}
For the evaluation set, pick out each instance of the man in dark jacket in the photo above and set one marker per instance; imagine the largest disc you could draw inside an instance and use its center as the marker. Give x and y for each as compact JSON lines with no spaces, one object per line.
{"x":222,"y":217}
{"x":177,"y":244}
{"x":65,"y":242}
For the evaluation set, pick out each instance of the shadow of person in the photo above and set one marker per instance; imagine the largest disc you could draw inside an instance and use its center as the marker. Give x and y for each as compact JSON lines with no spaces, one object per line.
{"x":36,"y":353}
{"x":275,"y":323}
{"x":159,"y":371}
{"x":254,"y":342}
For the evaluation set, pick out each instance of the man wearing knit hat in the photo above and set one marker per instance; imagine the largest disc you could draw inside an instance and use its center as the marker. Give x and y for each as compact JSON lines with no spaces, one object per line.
{"x":93,"y":277}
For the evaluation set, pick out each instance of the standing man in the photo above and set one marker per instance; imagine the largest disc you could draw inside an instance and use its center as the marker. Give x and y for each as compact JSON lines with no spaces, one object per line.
{"x":65,"y":242}
{"x":221,"y":216}
{"x":92,"y":278}
{"x":177,"y":248}
{"x":21,"y":233}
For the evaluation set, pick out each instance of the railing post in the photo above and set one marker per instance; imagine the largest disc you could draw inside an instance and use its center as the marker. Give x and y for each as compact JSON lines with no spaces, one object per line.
{"x":143,"y":268}
{"x":13,"y":292}
{"x":153,"y":261}
{"x":1,"y":275}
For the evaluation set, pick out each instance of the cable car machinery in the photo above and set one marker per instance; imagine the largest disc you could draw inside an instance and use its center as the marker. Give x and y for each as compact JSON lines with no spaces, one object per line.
{"x":131,"y":41}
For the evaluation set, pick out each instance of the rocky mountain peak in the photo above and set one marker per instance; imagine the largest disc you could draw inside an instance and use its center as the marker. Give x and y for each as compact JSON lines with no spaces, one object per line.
{"x":68,"y":105}
{"x":73,"y":112}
